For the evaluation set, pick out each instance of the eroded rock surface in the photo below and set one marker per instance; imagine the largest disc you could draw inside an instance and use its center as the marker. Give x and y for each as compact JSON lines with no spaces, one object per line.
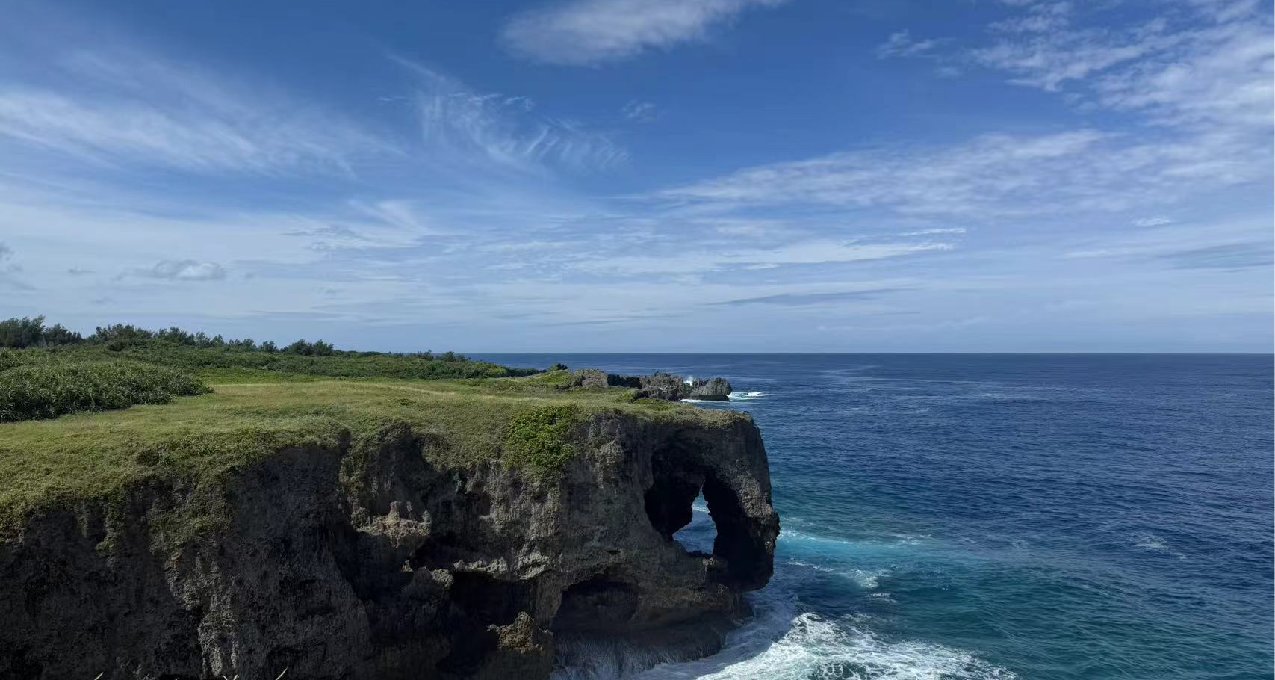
{"x":369,"y":562}
{"x":717,"y":389}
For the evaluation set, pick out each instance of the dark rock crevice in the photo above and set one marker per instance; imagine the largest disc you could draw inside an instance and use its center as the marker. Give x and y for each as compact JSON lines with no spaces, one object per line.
{"x":598,"y":604}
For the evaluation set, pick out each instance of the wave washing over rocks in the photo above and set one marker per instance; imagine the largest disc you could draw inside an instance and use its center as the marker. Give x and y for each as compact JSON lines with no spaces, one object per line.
{"x":782,"y":640}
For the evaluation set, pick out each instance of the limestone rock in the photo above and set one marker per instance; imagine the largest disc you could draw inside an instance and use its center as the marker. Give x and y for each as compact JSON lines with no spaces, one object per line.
{"x":346,"y":562}
{"x":717,"y":389}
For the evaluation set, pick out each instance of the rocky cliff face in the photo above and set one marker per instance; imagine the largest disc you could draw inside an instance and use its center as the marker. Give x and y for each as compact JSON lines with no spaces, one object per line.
{"x":369,"y":562}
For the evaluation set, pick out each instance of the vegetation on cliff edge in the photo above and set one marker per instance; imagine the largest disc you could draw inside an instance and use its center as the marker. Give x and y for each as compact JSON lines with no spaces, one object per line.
{"x":201,"y":440}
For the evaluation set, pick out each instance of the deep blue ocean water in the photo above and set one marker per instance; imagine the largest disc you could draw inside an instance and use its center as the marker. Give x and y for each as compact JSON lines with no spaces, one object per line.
{"x":1001,"y":516}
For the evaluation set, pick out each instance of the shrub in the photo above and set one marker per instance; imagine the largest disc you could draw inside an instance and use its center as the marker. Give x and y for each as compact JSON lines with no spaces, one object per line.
{"x":51,"y":389}
{"x":542,"y":438}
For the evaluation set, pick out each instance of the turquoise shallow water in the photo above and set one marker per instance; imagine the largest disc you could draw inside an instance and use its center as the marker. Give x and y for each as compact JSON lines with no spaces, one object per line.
{"x":1001,"y":516}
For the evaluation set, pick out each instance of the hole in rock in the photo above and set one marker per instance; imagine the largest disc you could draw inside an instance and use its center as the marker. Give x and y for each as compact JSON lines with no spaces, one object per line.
{"x":668,"y":501}
{"x":748,"y":562}
{"x":738,"y":541}
{"x":699,"y":535}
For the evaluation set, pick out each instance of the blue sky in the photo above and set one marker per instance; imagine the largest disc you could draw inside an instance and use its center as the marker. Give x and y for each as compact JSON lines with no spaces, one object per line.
{"x":645,"y":175}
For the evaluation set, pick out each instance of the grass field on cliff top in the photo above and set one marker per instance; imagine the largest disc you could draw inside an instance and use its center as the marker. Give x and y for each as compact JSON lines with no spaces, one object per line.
{"x":85,"y":418}
{"x":528,"y":421}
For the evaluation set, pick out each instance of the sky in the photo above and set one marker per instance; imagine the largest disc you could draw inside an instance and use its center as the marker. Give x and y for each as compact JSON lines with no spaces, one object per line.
{"x":645,"y":175}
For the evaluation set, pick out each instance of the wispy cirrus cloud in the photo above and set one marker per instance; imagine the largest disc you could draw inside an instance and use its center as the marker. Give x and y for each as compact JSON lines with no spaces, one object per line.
{"x":902,"y":44}
{"x":640,"y":111}
{"x":990,"y":176}
{"x":1199,"y":64}
{"x":462,"y":125}
{"x":1198,"y":78}
{"x":804,"y":299}
{"x":587,"y":32}
{"x":806,"y":252}
{"x":123,"y":107}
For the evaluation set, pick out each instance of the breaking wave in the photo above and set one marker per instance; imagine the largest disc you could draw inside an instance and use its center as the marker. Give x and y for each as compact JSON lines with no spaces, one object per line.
{"x":783,"y":643}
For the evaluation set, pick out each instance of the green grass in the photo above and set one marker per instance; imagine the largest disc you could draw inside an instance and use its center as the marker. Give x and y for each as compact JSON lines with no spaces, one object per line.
{"x":197,"y":441}
{"x":51,"y":389}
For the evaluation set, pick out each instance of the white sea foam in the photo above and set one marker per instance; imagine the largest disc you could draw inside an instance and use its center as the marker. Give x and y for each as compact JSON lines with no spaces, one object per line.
{"x":782,"y":643}
{"x":868,"y":579}
{"x":1156,"y":544}
{"x":746,"y":396}
{"x":816,"y":648}
{"x":1151,"y":542}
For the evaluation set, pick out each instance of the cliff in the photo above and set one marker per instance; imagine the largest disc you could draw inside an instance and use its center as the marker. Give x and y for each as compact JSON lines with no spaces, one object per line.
{"x":369,"y":530}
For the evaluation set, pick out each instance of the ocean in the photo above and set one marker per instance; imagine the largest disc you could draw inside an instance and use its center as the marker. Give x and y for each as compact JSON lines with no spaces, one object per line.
{"x":997,"y":516}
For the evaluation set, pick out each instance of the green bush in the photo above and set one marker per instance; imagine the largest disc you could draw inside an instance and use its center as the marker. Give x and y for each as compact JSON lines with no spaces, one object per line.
{"x":51,"y":389}
{"x":542,"y":438}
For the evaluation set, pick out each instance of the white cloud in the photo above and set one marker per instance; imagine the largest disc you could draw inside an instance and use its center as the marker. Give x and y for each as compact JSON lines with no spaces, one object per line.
{"x":990,"y":176}
{"x":121,"y":107}
{"x":1198,"y":81}
{"x":1215,"y":76}
{"x":799,"y":253}
{"x":581,"y":32}
{"x":1200,"y":64}
{"x":936,"y":231}
{"x":901,"y":44}
{"x":461,"y":125}
{"x":186,"y":270}
{"x":640,"y":111}
{"x":1052,"y":59}
{"x":1042,"y":18}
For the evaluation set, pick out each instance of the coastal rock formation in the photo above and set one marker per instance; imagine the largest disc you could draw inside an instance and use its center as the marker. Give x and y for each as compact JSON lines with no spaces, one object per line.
{"x":663,"y":386}
{"x":365,"y":560}
{"x":716,"y":389}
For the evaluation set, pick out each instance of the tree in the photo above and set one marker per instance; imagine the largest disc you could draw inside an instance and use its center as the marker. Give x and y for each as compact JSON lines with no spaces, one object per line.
{"x":57,"y":334}
{"x":24,"y":332}
{"x":300,"y":347}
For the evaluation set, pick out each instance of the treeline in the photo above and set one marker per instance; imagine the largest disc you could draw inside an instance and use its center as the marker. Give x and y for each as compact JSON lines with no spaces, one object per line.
{"x":27,"y":332}
{"x":31,"y":332}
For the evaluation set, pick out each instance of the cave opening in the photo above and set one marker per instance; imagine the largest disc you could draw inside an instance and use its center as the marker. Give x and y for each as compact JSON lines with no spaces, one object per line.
{"x":599,"y":603}
{"x":489,"y":600}
{"x":698,"y":535}
{"x":479,"y":602}
{"x":720,"y":528}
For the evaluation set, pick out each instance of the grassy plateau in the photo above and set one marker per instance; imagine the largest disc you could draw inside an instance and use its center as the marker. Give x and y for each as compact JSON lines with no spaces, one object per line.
{"x":236,"y":415}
